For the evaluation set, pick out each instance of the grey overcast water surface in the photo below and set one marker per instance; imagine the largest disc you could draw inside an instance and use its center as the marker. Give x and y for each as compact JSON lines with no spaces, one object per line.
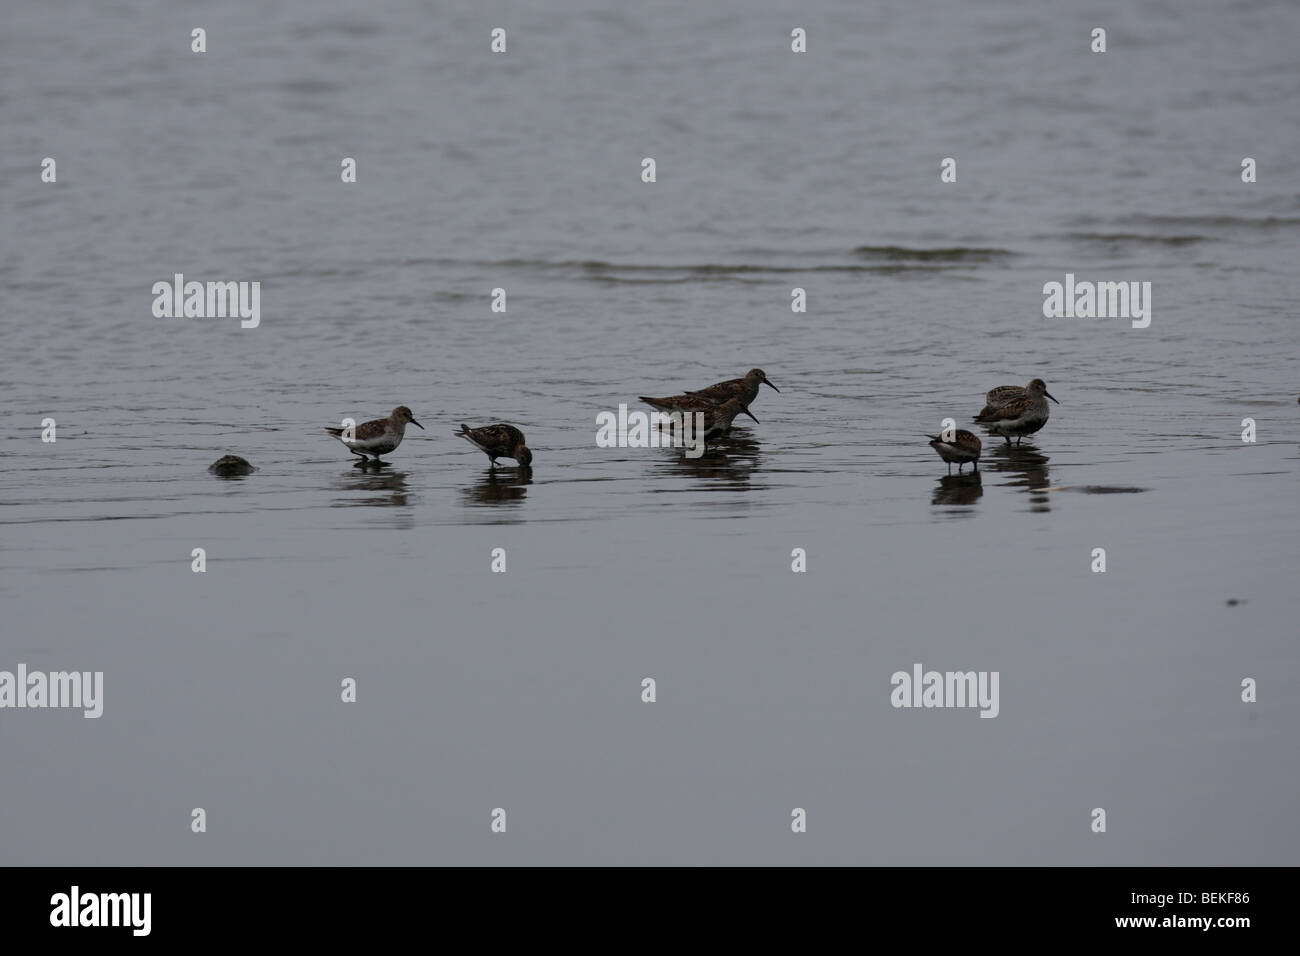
{"x":523,"y":690}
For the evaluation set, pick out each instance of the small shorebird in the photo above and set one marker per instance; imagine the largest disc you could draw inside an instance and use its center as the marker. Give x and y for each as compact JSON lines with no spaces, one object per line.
{"x":746,"y":389}
{"x":963,"y":448}
{"x":1019,"y":416}
{"x":995,"y":398}
{"x":718,"y":419}
{"x":499,"y":441}
{"x":378,"y":437}
{"x":687,"y":403}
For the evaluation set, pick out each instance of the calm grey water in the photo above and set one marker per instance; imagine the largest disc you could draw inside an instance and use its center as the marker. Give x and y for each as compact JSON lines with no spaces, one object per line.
{"x":522,"y":690}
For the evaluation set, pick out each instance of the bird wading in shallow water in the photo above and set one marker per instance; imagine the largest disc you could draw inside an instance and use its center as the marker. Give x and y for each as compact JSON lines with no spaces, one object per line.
{"x":499,"y":441}
{"x":378,"y":437}
{"x":717,"y":420}
{"x":964,"y":447}
{"x":687,"y":404}
{"x":1019,"y":416}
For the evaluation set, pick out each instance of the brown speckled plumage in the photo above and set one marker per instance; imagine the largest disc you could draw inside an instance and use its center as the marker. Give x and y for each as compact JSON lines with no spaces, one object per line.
{"x":718,"y":419}
{"x":997,"y":397}
{"x":686,"y":403}
{"x":499,"y":441}
{"x":746,"y":388}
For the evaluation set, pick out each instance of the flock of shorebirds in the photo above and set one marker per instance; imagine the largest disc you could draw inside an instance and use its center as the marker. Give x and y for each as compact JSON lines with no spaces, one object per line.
{"x":720,"y":403}
{"x":1009,"y":411}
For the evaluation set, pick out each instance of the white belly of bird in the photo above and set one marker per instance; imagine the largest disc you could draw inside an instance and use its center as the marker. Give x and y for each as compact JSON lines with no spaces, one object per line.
{"x":374,"y":446}
{"x":955,"y":453}
{"x":1024,"y":425}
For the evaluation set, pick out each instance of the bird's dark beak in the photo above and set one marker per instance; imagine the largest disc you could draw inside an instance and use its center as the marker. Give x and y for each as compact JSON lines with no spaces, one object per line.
{"x":766,"y":382}
{"x":414,"y":422}
{"x":751,"y":415}
{"x":1049,"y":395}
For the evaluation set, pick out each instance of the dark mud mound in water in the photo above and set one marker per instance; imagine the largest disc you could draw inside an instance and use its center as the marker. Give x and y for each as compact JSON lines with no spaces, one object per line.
{"x":231,"y":466}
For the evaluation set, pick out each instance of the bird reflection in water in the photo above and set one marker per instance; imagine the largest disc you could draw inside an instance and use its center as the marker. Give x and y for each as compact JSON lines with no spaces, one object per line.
{"x":385,"y":487}
{"x":499,"y":486}
{"x":733,"y":460}
{"x":958,"y":489}
{"x":1029,"y":465}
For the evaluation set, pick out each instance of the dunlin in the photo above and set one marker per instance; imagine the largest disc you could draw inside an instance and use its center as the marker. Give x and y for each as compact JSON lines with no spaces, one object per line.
{"x":1020,"y":416}
{"x":687,"y":403}
{"x":963,"y":448}
{"x":378,"y":437}
{"x":499,"y":441}
{"x":746,"y":389}
{"x":995,"y":398}
{"x":718,"y":419}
